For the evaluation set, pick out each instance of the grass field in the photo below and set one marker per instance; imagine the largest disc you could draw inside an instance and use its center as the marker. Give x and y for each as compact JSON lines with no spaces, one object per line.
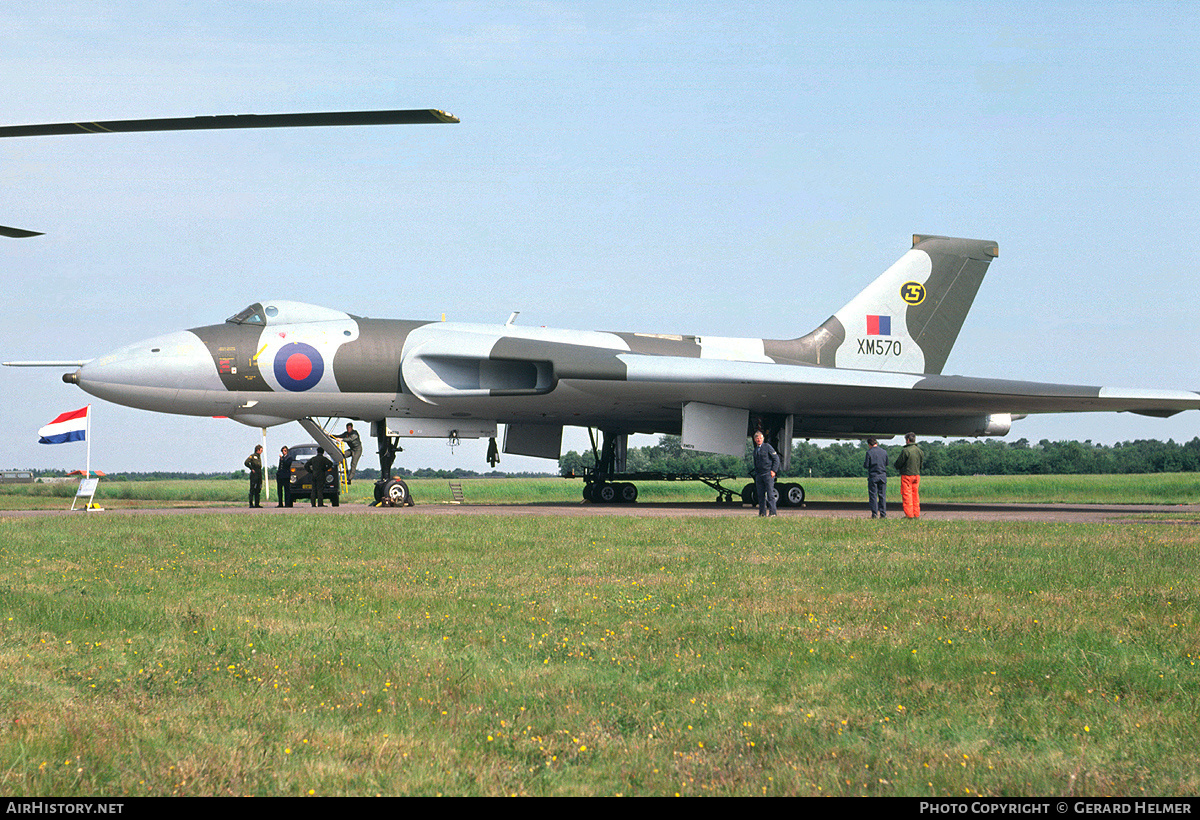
{"x":357,"y":655}
{"x":1163,"y":488}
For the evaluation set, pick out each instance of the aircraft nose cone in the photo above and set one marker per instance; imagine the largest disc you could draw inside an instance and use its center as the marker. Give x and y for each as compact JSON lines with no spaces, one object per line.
{"x":163,"y":374}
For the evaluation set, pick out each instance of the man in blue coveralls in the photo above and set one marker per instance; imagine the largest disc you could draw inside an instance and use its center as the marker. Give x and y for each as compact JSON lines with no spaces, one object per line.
{"x":875,"y":464}
{"x":766,"y":465}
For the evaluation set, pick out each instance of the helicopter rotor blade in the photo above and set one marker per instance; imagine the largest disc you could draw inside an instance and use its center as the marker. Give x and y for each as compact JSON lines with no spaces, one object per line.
{"x":17,"y":233}
{"x":426,"y":116}
{"x":420,"y":116}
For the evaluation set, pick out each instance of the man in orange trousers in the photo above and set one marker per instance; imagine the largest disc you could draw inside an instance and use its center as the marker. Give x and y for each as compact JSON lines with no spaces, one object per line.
{"x":909,"y":464}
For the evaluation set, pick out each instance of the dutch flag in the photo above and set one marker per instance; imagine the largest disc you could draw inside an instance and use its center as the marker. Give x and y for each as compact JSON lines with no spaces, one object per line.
{"x":70,"y":426}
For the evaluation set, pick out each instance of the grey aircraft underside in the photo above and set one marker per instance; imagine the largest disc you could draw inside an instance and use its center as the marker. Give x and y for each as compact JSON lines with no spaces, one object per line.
{"x":873,"y":368}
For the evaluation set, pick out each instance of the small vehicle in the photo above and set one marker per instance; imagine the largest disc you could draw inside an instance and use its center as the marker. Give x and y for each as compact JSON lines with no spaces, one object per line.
{"x":299,"y":485}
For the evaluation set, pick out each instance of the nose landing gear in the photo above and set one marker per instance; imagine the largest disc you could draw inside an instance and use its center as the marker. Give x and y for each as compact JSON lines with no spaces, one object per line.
{"x":389,"y":492}
{"x":393,"y":492}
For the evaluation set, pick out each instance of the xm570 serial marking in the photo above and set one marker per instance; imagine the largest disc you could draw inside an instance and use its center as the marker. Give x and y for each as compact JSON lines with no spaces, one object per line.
{"x":879,"y":347}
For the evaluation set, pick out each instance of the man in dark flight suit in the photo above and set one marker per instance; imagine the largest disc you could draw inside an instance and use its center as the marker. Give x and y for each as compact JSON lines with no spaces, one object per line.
{"x":283,"y":475}
{"x":318,"y":466}
{"x":875,"y":463}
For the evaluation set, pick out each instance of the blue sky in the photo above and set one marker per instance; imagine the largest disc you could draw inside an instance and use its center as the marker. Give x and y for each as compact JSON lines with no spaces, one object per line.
{"x":735,"y":169}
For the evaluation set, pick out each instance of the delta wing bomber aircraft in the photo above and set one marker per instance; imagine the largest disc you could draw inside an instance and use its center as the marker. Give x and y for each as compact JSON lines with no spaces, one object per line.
{"x":874,"y":368}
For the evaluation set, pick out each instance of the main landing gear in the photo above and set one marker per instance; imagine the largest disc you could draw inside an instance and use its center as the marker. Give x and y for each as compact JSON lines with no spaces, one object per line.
{"x":786,"y":495}
{"x":610,"y":492}
{"x":609,"y":483}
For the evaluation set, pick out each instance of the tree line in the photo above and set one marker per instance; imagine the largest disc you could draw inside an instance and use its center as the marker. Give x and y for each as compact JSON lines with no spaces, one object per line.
{"x":962,"y":457}
{"x":837,"y":460}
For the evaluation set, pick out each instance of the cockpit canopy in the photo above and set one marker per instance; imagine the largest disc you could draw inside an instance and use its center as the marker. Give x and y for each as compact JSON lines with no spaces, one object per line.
{"x":281,"y":312}
{"x":253,"y":315}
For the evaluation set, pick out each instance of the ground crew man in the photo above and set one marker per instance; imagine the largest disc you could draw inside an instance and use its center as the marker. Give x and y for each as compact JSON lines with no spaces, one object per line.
{"x":254,"y":465}
{"x":766,"y":465}
{"x":909,"y":464}
{"x":318,"y":466}
{"x":283,"y":475}
{"x":875,"y":463}
{"x":354,"y":442}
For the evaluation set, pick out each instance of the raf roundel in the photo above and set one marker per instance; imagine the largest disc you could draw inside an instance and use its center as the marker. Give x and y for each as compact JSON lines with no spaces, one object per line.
{"x":298,"y":367}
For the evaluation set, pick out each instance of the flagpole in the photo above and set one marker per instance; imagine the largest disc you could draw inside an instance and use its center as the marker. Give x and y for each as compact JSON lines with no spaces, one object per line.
{"x":87,"y":470}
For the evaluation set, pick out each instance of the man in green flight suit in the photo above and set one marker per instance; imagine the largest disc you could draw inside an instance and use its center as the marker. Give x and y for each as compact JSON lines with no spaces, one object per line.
{"x":254,"y":465}
{"x":354,"y":442}
{"x":909,"y":464}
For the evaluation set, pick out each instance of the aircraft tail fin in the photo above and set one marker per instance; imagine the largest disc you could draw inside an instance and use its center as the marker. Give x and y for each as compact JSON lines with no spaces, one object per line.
{"x":908,"y":319}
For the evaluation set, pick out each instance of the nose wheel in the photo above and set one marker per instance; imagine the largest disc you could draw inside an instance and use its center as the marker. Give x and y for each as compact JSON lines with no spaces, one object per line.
{"x":393,"y":493}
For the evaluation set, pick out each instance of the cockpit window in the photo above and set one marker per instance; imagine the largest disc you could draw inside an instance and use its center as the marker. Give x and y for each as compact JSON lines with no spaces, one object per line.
{"x":252,"y":315}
